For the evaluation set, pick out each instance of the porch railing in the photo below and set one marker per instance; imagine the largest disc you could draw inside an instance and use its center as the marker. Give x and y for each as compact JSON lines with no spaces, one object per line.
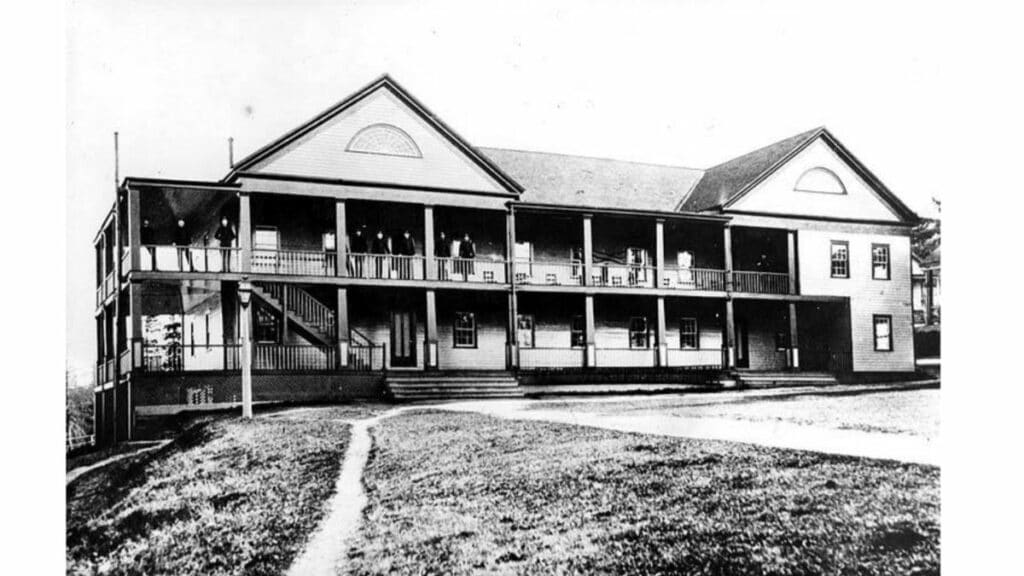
{"x":160,"y":258}
{"x":293,"y":357}
{"x":294,"y":262}
{"x":125,"y":362}
{"x":365,"y":358}
{"x":693,"y":279}
{"x":546,"y":273}
{"x":265,"y":357}
{"x":760,"y":282}
{"x":126,"y":258}
{"x":100,"y":293}
{"x":481,"y":270}
{"x":535,"y":358}
{"x":825,"y":360}
{"x":109,"y":285}
{"x":189,"y":358}
{"x":622,"y":275}
{"x":695,"y":358}
{"x":386,"y":267}
{"x":626,"y":357}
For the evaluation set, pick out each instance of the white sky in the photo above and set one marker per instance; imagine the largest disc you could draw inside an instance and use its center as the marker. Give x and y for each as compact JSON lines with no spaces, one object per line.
{"x":687,"y":83}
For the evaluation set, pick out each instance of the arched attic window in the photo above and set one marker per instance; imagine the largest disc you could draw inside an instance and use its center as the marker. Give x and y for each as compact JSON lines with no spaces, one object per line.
{"x":820,"y":180}
{"x":384,"y":139}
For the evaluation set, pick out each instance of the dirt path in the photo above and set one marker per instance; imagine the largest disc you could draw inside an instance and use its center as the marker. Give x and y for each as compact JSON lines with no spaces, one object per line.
{"x":325,"y":551}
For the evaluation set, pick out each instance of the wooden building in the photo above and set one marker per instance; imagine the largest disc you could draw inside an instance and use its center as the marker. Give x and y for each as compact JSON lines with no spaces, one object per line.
{"x":388,"y":256}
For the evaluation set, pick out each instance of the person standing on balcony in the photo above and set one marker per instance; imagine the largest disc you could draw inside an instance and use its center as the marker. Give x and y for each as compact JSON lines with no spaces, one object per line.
{"x":443,"y":253}
{"x":182,"y":239}
{"x":225,"y":235}
{"x":406,"y":248}
{"x":357,"y":253}
{"x":146,"y":237}
{"x":379,"y":249}
{"x":467,"y":252}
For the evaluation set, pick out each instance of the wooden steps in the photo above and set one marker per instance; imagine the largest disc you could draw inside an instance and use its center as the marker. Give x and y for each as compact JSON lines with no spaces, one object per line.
{"x":780,"y":379}
{"x":461,"y":385}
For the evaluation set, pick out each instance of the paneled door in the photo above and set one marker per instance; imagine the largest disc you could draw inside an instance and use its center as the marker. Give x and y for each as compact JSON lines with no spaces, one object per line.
{"x":403,"y":338}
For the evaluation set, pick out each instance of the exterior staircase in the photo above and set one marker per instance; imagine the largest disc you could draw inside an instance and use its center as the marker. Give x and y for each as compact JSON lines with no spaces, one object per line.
{"x":314,"y":319}
{"x":752,"y":379}
{"x":452,"y":385}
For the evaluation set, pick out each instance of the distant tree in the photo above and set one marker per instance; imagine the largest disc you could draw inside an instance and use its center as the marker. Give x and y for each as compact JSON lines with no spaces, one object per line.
{"x":78,"y":406}
{"x":926,"y":237}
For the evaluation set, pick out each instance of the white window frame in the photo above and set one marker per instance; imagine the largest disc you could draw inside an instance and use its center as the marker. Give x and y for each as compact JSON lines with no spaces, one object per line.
{"x":458,"y":330}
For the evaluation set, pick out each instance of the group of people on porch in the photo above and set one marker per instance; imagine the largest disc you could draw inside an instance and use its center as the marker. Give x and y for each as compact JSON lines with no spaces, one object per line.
{"x":375,"y":257}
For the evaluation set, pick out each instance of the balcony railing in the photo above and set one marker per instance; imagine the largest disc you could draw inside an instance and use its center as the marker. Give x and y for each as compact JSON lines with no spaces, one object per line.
{"x":294,"y":262}
{"x":100,"y":293}
{"x":760,"y":282}
{"x":386,"y":266}
{"x":471,"y":270}
{"x":695,"y":358}
{"x":265,"y":357}
{"x":693,"y":279}
{"x":153,"y":258}
{"x":825,"y":360}
{"x":126,"y":258}
{"x":539,"y":358}
{"x":125,"y":362}
{"x":109,"y":285}
{"x":541,"y":273}
{"x":622,"y":275}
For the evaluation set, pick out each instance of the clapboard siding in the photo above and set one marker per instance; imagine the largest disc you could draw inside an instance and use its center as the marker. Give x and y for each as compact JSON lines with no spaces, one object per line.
{"x":867,"y":296}
{"x":776,"y":195}
{"x":322,"y":153}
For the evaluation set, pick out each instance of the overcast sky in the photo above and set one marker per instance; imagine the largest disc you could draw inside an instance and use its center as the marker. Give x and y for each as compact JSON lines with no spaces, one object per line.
{"x":685,"y":83}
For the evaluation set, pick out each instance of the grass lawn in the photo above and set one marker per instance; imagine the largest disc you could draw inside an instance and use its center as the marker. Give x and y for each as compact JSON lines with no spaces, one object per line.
{"x":913,"y":412}
{"x":227,"y":497}
{"x":456,"y":493}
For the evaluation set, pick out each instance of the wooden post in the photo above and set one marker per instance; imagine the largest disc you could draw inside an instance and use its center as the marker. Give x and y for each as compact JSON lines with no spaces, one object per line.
{"x":342,"y":328}
{"x":431,"y":351}
{"x":929,"y":295}
{"x":791,"y":252}
{"x":135,"y":325}
{"x":591,"y":332}
{"x":135,"y":230}
{"x":245,"y":329}
{"x":245,"y":231}
{"x":588,"y":250}
{"x":662,"y":334}
{"x":285,"y":290}
{"x":512,"y":333}
{"x":340,"y":239}
{"x":428,"y":242}
{"x":727,"y":248}
{"x":659,"y":253}
{"x":794,"y":345}
{"x":730,"y":334}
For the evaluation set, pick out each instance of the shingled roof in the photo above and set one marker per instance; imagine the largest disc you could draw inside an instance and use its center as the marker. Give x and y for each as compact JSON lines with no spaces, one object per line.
{"x":723,"y":182}
{"x":588,"y":182}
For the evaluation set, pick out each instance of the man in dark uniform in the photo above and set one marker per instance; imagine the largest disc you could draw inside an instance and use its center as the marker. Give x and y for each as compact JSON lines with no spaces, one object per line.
{"x":379,"y":249}
{"x":443,"y":253}
{"x":357,"y":249}
{"x":226,"y":236}
{"x":146,"y":237}
{"x":407,"y":249}
{"x":467,"y":252}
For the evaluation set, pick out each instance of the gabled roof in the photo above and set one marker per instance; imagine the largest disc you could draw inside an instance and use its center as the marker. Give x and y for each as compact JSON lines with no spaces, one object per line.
{"x":724,"y":184}
{"x":387,"y":83}
{"x":588,"y":182}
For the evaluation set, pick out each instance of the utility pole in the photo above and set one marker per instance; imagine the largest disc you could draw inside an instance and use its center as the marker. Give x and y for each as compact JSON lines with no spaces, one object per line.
{"x":245,"y":330}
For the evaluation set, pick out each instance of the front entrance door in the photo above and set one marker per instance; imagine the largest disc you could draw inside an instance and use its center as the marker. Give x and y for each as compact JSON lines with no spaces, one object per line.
{"x":742,"y":345}
{"x":403,"y":339}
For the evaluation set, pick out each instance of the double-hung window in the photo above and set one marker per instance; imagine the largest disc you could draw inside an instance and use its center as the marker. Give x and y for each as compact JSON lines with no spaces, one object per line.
{"x":880,"y":266}
{"x":577,"y":332}
{"x":883,"y":332}
{"x":639,"y":335}
{"x":840,"y":259}
{"x":688,"y":333}
{"x":464,"y":331}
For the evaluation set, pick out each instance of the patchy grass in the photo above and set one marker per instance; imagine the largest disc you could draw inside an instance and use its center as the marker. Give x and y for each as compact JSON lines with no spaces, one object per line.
{"x":227,"y":497}
{"x":459,"y":493}
{"x":354,"y":411}
{"x":912,"y":412}
{"x":92,"y":455}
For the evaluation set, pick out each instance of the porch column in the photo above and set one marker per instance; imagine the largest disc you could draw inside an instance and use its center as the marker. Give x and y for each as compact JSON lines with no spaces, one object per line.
{"x":727,"y":246}
{"x":134,"y":230}
{"x":341,"y":327}
{"x":285,"y":290}
{"x":103,"y":264}
{"x":134,"y":339}
{"x":591,"y":332}
{"x":730,"y":334}
{"x":245,"y":231}
{"x":512,"y":334}
{"x":431,"y":355}
{"x":794,"y":346}
{"x":929,"y":295}
{"x":588,"y":250}
{"x":659,"y":253}
{"x":662,"y":333}
{"x":791,"y":252}
{"x":428,"y":242}
{"x":341,"y":238}
{"x":245,"y":333}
